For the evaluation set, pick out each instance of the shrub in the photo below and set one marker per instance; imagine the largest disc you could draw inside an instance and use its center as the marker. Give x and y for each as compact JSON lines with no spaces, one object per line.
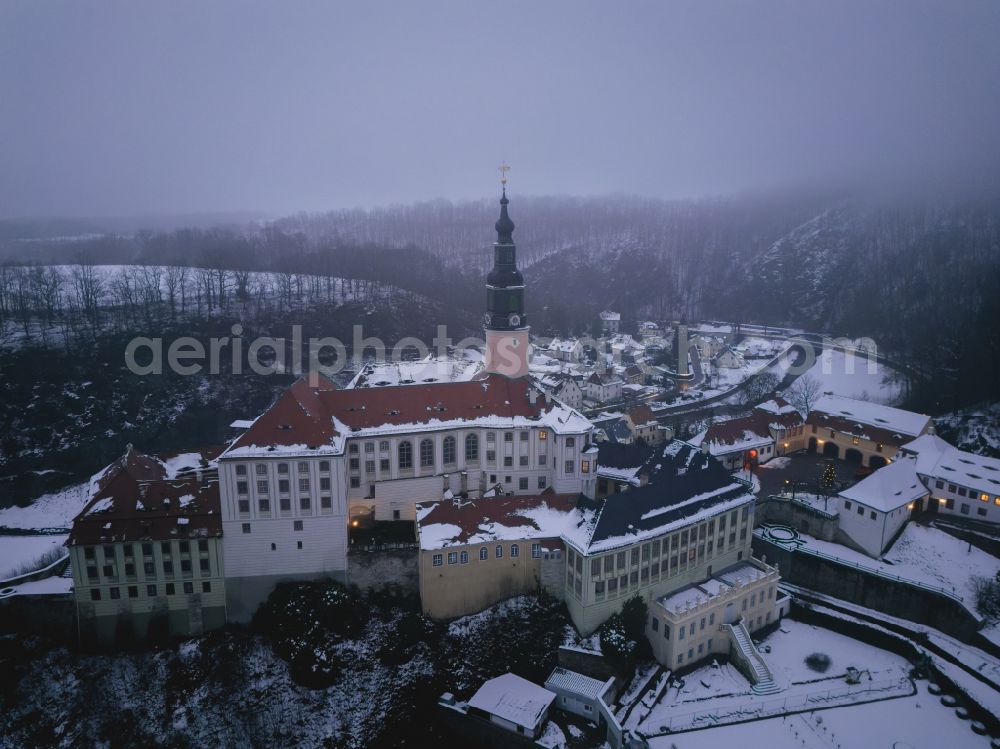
{"x":818,"y":662}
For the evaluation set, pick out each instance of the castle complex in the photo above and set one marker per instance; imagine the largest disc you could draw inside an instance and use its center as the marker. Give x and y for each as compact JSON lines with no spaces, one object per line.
{"x":497,"y":476}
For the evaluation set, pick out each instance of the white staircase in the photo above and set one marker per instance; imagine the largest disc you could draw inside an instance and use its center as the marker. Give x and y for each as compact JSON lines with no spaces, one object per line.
{"x":760,"y":674}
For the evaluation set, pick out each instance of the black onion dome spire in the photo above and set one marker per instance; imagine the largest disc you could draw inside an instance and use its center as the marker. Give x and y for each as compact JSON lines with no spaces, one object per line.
{"x":504,"y":226}
{"x":504,"y":283}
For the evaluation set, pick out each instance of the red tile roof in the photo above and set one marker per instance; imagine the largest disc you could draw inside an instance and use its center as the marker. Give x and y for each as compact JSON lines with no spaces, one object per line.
{"x":305,"y":415}
{"x":138,"y":497}
{"x":641,"y":415}
{"x":758,"y":422}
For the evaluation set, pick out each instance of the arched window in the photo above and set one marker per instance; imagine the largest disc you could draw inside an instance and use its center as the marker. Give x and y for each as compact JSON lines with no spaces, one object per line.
{"x":514,"y":550}
{"x":449,"y":450}
{"x":471,"y":447}
{"x":405,"y":455}
{"x":426,"y":453}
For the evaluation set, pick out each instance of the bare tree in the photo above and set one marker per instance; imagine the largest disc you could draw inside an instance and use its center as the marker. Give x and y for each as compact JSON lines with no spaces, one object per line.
{"x":803,"y":393}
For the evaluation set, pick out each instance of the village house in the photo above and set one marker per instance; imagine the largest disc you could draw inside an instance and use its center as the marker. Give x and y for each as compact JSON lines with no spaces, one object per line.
{"x":610,"y":322}
{"x":859,"y":431}
{"x":603,"y":387}
{"x":146,"y":550}
{"x":563,"y":387}
{"x":730,"y":358}
{"x":770,"y":430}
{"x":644,"y":425}
{"x":569,"y":350}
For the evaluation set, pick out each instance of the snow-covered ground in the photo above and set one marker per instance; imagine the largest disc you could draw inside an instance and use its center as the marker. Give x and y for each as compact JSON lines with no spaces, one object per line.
{"x":55,"y":510}
{"x":794,"y":641}
{"x":910,"y":722}
{"x":719,"y":693}
{"x":16,"y":551}
{"x":853,"y":377}
{"x":923,"y":555}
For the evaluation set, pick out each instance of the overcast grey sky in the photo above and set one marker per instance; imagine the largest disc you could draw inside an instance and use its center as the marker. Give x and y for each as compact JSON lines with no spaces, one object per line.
{"x":123,"y":108}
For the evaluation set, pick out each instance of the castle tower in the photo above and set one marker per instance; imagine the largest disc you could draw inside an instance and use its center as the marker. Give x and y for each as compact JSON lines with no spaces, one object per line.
{"x":506,"y":321}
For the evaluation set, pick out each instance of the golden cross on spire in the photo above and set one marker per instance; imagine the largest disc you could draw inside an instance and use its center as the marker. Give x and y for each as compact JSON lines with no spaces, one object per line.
{"x":503,"y":173}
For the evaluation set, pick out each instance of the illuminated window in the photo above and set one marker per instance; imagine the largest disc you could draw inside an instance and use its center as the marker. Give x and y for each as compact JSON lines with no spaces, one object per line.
{"x":585,"y":466}
{"x":543,"y":435}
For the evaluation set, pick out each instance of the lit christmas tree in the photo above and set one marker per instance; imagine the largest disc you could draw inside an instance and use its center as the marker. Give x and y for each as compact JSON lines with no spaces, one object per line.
{"x":828,"y":480}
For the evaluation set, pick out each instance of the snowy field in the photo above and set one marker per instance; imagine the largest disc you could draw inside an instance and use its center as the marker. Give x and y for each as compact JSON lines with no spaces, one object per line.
{"x":16,"y":551}
{"x":852,"y":377}
{"x":923,"y":555}
{"x":55,"y":510}
{"x":917,"y":722}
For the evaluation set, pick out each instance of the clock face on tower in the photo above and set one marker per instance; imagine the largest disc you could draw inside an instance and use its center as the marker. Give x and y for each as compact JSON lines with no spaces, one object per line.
{"x":515,"y":320}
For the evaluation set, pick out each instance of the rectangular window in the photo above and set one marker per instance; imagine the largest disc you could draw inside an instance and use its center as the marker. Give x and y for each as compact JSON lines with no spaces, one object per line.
{"x":305,"y":503}
{"x":464,"y":557}
{"x":242,"y":487}
{"x":206,"y":587}
{"x":188,"y":588}
{"x":262,"y":487}
{"x":543,"y":460}
{"x":383,"y":465}
{"x":282,"y":469}
{"x":484,"y":554}
{"x":355,"y":482}
{"x":246,"y":527}
{"x":186,"y":565}
{"x":452,"y":557}
{"x":170,"y":589}
{"x":498,"y":551}
{"x":286,"y":504}
{"x":115,"y":593}
{"x":296,"y":525}
{"x":542,"y":484}
{"x":241,"y":470}
{"x":523,"y":461}
{"x":264,"y":505}
{"x":508,"y":436}
{"x":436,"y":560}
{"x":569,"y":466}
{"x":261,"y":469}
{"x":383,"y":446}
{"x":522,"y":483}
{"x":151,"y":591}
{"x":203,"y":565}
{"x":95,"y":594}
{"x":133,"y":591}
{"x":536,"y":551}
{"x":325,"y":503}
{"x":508,"y":461}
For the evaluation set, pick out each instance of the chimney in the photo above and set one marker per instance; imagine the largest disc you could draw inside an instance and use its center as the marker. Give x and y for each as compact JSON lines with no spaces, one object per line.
{"x":532,"y":396}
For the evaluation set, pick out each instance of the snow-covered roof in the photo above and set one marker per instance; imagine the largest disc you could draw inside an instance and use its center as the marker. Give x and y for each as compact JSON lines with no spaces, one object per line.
{"x":736,"y":576}
{"x":685,"y":486}
{"x":571,"y":681}
{"x":777,"y":406}
{"x":428,"y":369}
{"x":515,"y":699}
{"x":609,"y":315}
{"x":889,"y":487}
{"x":941,"y":460}
{"x":876,"y":415}
{"x":457,"y":522}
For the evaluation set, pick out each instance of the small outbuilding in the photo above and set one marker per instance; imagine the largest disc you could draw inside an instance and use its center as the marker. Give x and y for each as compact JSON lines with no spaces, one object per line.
{"x":513,"y":703}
